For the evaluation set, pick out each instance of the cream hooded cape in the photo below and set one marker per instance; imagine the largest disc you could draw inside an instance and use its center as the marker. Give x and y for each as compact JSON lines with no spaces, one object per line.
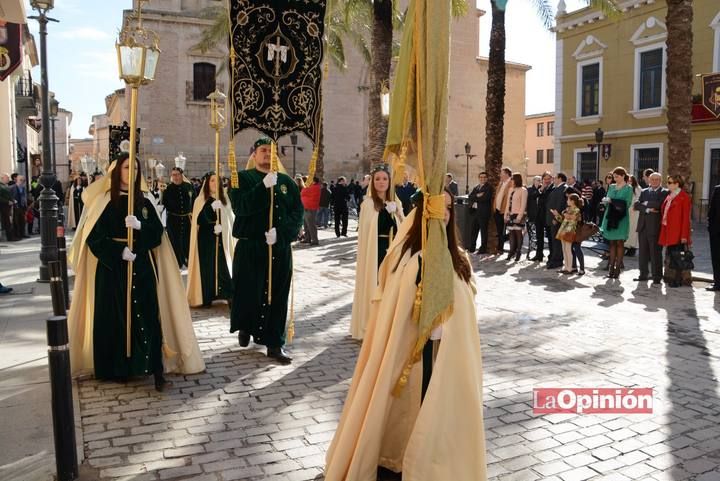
{"x":366,"y":271}
{"x":440,"y":440}
{"x":72,"y":220}
{"x":194,"y":282}
{"x":181,"y":353}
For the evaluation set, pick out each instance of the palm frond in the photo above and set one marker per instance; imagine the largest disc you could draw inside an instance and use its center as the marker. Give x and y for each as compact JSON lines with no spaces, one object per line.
{"x":607,"y":7}
{"x":460,"y":8}
{"x":544,"y":12}
{"x":216,"y":34}
{"x":336,"y":50}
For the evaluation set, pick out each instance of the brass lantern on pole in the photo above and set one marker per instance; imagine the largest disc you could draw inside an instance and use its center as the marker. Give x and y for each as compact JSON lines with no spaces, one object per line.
{"x":138,"y":54}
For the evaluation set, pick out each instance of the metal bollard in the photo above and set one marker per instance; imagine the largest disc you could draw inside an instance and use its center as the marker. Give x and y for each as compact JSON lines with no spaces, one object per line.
{"x":62,"y":399}
{"x":62,"y":257}
{"x":56,"y":288}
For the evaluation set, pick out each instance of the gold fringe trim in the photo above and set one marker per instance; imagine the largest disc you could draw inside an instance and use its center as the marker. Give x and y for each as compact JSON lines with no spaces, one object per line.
{"x":416,"y":354}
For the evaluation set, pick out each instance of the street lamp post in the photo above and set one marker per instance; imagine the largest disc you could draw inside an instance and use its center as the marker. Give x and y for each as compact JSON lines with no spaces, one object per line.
{"x":468,"y":157}
{"x":294,"y":146}
{"x":54,"y":106}
{"x":599,"y":134}
{"x":48,"y":199}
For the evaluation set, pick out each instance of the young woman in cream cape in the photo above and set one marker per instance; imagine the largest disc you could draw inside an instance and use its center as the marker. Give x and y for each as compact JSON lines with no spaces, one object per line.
{"x":211,"y":245}
{"x":162,"y":336}
{"x":438,"y":436}
{"x":378,"y":223}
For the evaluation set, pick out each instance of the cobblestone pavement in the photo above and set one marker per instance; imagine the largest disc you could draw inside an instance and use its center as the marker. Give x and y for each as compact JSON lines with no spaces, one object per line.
{"x":246,"y":418}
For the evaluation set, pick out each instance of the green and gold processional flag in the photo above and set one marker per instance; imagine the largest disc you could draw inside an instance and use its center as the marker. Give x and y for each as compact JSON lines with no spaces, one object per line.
{"x":417,"y":137}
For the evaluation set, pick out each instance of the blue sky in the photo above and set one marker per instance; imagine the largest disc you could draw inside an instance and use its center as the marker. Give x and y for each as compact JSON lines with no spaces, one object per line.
{"x":82,"y":62}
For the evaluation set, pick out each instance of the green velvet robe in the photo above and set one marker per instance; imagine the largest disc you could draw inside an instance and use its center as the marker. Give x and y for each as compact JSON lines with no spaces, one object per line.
{"x":178,"y":201}
{"x":206,"y":254}
{"x":109,"y":330}
{"x":251,"y":204}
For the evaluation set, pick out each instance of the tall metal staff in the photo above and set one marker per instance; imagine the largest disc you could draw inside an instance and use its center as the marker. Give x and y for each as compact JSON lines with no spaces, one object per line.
{"x":138,"y":54}
{"x":217,"y":122}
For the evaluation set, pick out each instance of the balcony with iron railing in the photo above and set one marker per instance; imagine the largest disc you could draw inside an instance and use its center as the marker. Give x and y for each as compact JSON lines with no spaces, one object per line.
{"x":26,"y":96}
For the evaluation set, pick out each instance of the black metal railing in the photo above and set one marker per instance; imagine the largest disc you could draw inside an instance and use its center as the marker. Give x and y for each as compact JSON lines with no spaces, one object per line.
{"x":24,"y":87}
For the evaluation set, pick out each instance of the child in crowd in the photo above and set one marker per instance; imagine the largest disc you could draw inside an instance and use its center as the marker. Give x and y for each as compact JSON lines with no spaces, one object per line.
{"x":570,"y":219}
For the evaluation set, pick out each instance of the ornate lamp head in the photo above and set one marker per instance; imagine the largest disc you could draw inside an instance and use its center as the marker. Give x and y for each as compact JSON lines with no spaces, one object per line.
{"x":180,"y":161}
{"x":137,"y":50}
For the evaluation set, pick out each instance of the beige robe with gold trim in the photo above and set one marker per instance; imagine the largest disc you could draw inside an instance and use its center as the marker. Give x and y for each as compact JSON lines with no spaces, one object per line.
{"x":194,"y":282}
{"x":181,"y":353}
{"x":366,"y":271}
{"x":440,"y":440}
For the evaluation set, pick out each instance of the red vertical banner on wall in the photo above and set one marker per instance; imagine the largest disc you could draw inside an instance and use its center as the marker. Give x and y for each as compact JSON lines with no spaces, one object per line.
{"x":10,"y":48}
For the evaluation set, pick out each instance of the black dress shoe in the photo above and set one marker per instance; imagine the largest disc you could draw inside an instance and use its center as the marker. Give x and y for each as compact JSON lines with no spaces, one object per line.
{"x":656,"y":282}
{"x":640,"y":279}
{"x":713,"y":288}
{"x":278,"y":353}
{"x":161,"y":384}
{"x":243,"y":338}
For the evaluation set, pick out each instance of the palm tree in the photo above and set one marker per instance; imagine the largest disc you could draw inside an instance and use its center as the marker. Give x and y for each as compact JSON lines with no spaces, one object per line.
{"x":679,"y":85}
{"x":495,"y":100}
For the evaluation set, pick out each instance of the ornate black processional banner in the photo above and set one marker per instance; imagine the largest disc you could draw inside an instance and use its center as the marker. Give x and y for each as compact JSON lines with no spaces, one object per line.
{"x":278,"y":68}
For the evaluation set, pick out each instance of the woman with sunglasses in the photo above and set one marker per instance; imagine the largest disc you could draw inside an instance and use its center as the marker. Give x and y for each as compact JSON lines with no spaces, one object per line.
{"x":675,"y":230}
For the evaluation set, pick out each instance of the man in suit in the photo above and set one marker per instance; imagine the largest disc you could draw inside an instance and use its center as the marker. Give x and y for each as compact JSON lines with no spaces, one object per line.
{"x":480,"y":200}
{"x":501,"y":201}
{"x":648,"y":228}
{"x":340,"y":197}
{"x":714,"y":230}
{"x":19,"y":194}
{"x":542,"y":228}
{"x":558,"y":201}
{"x":450,"y":184}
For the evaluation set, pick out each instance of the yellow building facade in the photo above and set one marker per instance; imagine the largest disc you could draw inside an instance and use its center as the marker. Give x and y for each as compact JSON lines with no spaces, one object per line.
{"x":611,"y":76}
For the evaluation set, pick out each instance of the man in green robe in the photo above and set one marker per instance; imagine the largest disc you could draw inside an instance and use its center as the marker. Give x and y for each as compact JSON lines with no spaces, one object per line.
{"x":178,"y":200}
{"x":252,"y":314}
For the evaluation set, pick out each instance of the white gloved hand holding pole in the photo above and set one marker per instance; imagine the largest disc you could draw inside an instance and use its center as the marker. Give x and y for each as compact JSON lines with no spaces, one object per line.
{"x":216,"y":205}
{"x":391,"y":207}
{"x":127,"y":255}
{"x":270,"y":179}
{"x":217,"y":229}
{"x":271,"y":236}
{"x":132,"y":221}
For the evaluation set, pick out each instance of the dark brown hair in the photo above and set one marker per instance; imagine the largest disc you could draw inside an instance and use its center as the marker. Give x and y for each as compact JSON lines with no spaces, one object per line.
{"x":220,"y":189}
{"x":577,"y":200}
{"x":379,"y":203}
{"x":413,"y":241}
{"x":621,"y":171}
{"x":677,"y":178}
{"x":517,"y":180}
{"x":115,"y":180}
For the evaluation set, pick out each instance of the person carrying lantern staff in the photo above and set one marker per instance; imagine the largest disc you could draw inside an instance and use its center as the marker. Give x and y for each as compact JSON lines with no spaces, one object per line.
{"x":178,"y":199}
{"x":211,"y":246}
{"x":162,"y":339}
{"x":378,"y":223}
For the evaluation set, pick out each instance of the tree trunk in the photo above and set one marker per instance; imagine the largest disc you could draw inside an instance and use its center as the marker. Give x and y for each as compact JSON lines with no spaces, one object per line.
{"x":381,"y":44}
{"x":495,"y":108}
{"x":679,"y":86}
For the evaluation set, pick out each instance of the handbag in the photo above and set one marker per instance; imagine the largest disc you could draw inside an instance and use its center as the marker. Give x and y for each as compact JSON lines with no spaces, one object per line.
{"x":586,"y":230}
{"x":682,"y":260}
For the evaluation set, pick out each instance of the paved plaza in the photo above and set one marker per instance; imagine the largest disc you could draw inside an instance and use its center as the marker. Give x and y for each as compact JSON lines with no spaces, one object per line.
{"x":249,"y":419}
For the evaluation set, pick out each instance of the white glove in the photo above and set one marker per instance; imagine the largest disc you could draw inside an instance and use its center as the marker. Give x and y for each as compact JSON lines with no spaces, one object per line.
{"x":270,"y":180}
{"x":132,"y":221}
{"x":217,"y":229}
{"x":127,"y":255}
{"x":436,"y":334}
{"x":271,"y":236}
{"x":216,"y":205}
{"x":391,"y":207}
{"x":605,"y":200}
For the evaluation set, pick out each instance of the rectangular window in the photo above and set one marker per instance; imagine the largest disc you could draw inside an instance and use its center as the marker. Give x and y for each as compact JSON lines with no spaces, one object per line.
{"x":590,"y":90}
{"x":646,"y":159}
{"x":539,"y":156}
{"x":651,"y":72}
{"x":551,"y":128}
{"x":587,"y":166}
{"x":714,"y":168}
{"x":203,"y":80}
{"x":550,"y":156}
{"x":540,"y":129}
